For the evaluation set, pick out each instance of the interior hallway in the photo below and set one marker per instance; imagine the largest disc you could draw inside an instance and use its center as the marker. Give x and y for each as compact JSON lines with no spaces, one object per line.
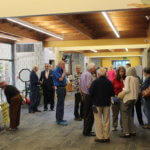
{"x":40,"y":132}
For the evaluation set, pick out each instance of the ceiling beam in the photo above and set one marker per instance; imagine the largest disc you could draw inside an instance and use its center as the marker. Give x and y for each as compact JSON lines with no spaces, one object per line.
{"x":6,"y":41}
{"x":15,"y":30}
{"x":99,"y":44}
{"x":74,"y":23}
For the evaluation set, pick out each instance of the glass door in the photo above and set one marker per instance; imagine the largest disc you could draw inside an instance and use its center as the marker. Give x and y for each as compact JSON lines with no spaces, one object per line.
{"x":6,"y":66}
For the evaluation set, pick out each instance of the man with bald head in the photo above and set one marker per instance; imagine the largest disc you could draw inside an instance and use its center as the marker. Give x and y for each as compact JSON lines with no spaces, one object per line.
{"x":59,"y":78}
{"x":34,"y":90}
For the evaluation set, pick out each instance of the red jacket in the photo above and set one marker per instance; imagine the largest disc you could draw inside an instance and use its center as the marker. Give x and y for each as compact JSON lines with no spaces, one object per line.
{"x":118,"y":86}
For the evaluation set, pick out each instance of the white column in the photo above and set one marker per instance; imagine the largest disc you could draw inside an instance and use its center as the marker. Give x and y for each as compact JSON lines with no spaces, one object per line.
{"x":58,"y":55}
{"x":145,"y":58}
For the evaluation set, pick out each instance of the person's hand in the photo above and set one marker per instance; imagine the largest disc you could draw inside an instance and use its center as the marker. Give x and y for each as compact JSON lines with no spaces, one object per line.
{"x":64,"y":70}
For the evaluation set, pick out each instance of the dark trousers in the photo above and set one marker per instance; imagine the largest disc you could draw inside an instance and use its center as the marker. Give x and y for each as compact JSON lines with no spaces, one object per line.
{"x":14,"y":113}
{"x":48,"y":98}
{"x":78,"y":105}
{"x":34,"y":100}
{"x":61,"y":93}
{"x":139,"y":111}
{"x":88,"y":114}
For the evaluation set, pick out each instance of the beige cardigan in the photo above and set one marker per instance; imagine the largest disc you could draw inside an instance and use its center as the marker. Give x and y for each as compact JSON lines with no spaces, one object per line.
{"x":131,"y":88}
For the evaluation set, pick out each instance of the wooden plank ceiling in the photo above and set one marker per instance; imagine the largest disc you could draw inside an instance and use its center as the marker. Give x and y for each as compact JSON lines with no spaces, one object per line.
{"x":129,"y":23}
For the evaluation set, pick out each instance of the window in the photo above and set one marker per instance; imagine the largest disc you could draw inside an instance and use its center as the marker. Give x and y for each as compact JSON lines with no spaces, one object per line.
{"x":6,"y":66}
{"x":118,"y":63}
{"x":24,"y":48}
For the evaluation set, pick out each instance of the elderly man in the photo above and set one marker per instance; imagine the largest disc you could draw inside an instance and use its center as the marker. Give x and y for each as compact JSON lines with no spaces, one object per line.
{"x":78,"y":98}
{"x":15,"y":100}
{"x":101,"y":92}
{"x":34,"y":91}
{"x":48,"y":87}
{"x":85,"y":83}
{"x":59,"y":78}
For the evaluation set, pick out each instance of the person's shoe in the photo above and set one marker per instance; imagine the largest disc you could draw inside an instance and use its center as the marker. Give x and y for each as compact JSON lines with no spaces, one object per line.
{"x":125,"y":136}
{"x":146,"y":126}
{"x":10,"y":129}
{"x":45,"y":109}
{"x":114,"y":129}
{"x":133,"y":134}
{"x":77,"y":119}
{"x":89,"y":134}
{"x":37,"y":110}
{"x":31,"y":112}
{"x":51,"y":110}
{"x":99,"y":140}
{"x":63,"y":123}
{"x":106,"y":140}
{"x":64,"y":120}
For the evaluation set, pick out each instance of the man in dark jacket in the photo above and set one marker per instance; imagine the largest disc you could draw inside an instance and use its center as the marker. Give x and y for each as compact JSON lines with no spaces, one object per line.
{"x":146,"y":100}
{"x":48,"y":87}
{"x":34,"y":91}
{"x":101,"y":92}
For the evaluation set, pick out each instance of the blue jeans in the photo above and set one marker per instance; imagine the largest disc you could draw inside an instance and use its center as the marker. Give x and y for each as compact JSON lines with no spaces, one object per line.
{"x":61,"y":93}
{"x":146,"y":109}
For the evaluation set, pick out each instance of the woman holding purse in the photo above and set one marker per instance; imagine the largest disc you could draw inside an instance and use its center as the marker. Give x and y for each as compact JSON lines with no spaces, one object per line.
{"x":118,"y":87}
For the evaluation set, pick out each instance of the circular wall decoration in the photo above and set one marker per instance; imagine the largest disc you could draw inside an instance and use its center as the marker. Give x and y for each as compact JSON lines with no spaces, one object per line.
{"x":24,"y":75}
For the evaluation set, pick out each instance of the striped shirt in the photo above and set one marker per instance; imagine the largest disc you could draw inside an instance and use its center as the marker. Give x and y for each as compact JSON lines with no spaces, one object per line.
{"x":77,"y":82}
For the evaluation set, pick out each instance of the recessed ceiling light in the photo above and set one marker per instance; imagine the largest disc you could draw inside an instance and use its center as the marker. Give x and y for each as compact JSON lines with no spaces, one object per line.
{"x":93,"y":50}
{"x":111,"y":24}
{"x":147,"y":17}
{"x":34,"y":27}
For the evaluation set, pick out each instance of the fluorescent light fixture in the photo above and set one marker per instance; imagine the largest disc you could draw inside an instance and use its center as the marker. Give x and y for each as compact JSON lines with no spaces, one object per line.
{"x":34,"y":27}
{"x":147,"y":17}
{"x":93,"y":50}
{"x":9,"y":38}
{"x":126,"y":49}
{"x":111,"y":24}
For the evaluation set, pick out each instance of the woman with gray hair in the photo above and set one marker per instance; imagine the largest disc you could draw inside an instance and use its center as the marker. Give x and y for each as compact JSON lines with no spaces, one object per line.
{"x":130,"y":91}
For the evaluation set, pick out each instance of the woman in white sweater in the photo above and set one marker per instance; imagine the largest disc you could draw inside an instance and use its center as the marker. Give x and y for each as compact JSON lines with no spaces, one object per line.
{"x":131,"y":91}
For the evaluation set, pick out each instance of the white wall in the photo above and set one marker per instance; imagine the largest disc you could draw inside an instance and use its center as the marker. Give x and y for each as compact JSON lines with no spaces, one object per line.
{"x":49,"y":54}
{"x":77,"y":59}
{"x":96,"y":61}
{"x":27,"y":60}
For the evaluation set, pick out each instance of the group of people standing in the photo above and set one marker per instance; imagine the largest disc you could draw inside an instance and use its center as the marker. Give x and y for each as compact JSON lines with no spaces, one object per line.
{"x":50,"y":80}
{"x":93,"y":98}
{"x":121,"y":92}
{"x":46,"y":82}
